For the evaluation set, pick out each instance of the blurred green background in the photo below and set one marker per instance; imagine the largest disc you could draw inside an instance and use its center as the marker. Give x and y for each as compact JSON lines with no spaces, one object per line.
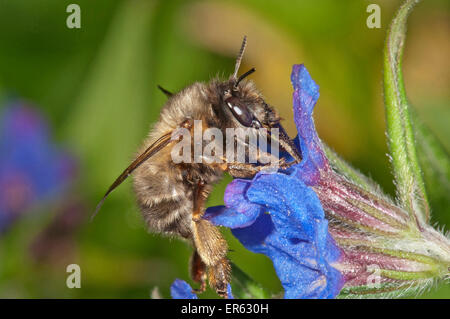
{"x":97,"y":87}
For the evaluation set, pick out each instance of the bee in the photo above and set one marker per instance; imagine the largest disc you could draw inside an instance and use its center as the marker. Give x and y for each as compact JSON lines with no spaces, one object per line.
{"x":172,"y":196}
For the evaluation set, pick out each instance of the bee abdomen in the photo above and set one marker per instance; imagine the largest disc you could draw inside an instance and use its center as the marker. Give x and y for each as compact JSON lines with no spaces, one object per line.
{"x":166,"y":209}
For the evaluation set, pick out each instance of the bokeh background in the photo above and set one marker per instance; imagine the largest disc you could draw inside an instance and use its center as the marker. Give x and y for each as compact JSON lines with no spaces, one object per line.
{"x":76,"y":103}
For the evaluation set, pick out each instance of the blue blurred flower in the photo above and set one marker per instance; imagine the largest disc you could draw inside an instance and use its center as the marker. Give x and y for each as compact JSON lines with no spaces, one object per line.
{"x":280,"y":215}
{"x":32,"y":169}
{"x":180,"y":289}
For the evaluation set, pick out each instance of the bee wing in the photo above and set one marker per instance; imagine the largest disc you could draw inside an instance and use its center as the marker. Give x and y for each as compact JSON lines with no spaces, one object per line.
{"x":160,"y":143}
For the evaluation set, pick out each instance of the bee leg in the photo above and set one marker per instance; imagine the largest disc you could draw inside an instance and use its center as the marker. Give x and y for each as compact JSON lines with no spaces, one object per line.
{"x":201,"y":193}
{"x":274,"y":161}
{"x":198,"y":272}
{"x":211,"y":247}
{"x":248,"y":170}
{"x":219,"y":277}
{"x":243,"y":170}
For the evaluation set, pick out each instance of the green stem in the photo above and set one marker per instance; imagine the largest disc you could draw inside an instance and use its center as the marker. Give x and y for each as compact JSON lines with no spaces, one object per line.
{"x":408,"y":175}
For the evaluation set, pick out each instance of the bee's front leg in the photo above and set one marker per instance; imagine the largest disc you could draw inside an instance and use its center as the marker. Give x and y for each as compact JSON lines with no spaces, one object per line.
{"x":248,"y":170}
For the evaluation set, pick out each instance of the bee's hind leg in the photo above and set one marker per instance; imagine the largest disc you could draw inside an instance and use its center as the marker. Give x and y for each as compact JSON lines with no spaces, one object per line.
{"x":211,"y":248}
{"x":219,"y":277}
{"x":198,"y":272}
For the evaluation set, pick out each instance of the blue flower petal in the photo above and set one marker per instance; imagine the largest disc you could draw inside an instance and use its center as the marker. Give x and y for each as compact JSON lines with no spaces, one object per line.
{"x":294,"y":236}
{"x":229,"y":292}
{"x":242,"y":214}
{"x":306,"y":94}
{"x":180,"y":289}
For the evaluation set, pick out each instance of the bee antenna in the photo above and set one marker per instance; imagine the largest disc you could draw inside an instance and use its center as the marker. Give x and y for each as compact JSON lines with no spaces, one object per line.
{"x":166,"y":92}
{"x":239,"y":57}
{"x":243,"y":76}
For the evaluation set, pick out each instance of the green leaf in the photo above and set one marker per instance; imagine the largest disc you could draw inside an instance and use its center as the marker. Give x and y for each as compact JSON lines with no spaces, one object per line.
{"x":408,"y":176}
{"x":435,"y":162}
{"x":244,"y":287}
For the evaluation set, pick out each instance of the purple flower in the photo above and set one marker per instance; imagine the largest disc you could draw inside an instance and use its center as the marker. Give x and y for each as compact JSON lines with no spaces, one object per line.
{"x":280,"y":215}
{"x":32,"y":169}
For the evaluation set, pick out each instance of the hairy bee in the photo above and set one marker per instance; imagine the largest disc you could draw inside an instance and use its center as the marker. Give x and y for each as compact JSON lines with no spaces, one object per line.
{"x":172,"y":195}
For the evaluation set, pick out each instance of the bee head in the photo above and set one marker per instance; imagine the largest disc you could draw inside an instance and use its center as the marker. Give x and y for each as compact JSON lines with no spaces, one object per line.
{"x":243,"y":103}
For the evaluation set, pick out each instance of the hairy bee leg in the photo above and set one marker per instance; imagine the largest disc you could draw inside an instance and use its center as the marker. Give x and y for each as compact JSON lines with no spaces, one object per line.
{"x":198,"y":272}
{"x":201,"y":193}
{"x":219,"y":277}
{"x":285,"y":165}
{"x":242,"y":170}
{"x":247,"y":170}
{"x":211,"y":247}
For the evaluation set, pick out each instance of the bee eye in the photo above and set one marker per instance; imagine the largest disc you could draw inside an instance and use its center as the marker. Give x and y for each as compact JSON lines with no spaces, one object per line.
{"x":240,"y":111}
